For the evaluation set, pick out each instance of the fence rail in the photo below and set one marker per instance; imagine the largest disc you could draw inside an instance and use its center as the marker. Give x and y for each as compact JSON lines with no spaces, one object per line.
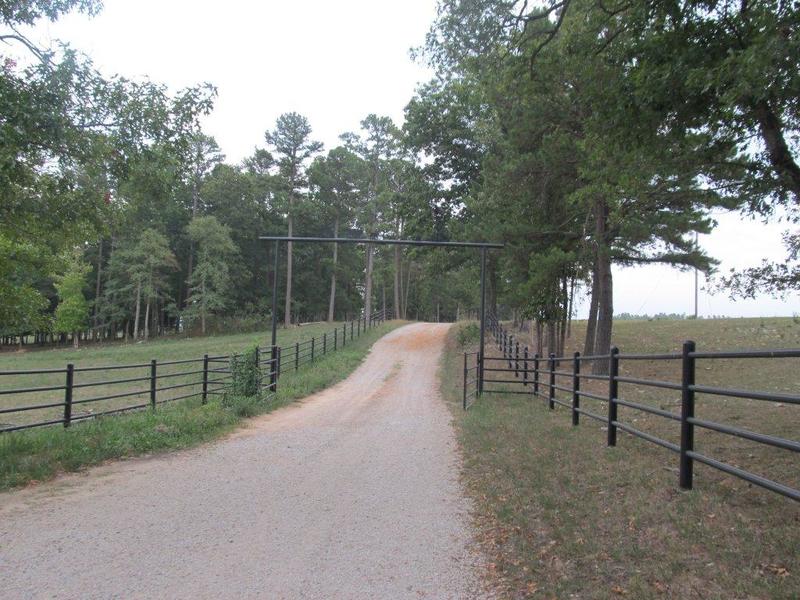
{"x":545,"y":376}
{"x":153,"y":385}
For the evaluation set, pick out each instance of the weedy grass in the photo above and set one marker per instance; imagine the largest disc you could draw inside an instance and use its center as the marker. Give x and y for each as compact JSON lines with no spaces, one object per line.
{"x":40,"y":454}
{"x":561,"y":515}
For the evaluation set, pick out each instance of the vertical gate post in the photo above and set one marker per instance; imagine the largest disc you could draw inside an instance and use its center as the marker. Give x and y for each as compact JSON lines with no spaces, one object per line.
{"x":687,"y":412}
{"x":483,"y":321}
{"x":68,"y":395}
{"x":324,"y":343}
{"x":204,"y":397}
{"x":297,"y":355}
{"x":516,"y":359}
{"x":576,"y":387}
{"x":312,"y":349}
{"x":257,"y":358}
{"x":613,"y":392}
{"x":273,"y":373}
{"x":551,"y":394}
{"x":335,"y":339}
{"x":153,"y":384}
{"x":536,"y":374}
{"x":344,"y":334}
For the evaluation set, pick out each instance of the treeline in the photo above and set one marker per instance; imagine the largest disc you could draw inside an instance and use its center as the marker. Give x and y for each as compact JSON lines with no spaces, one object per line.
{"x":587,"y":135}
{"x":583,"y":135}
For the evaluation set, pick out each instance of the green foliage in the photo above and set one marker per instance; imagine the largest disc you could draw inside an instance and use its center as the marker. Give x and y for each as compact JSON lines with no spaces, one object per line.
{"x":72,"y":313}
{"x":245,"y":375}
{"x":468,"y":335}
{"x":210,"y":281}
{"x":22,"y":305}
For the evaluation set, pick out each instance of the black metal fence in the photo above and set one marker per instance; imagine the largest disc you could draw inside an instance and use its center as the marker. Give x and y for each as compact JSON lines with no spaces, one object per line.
{"x":157,"y":382}
{"x":547,"y":376}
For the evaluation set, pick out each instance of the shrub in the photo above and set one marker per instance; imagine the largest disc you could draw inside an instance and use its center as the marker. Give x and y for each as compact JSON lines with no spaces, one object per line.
{"x":245,"y":375}
{"x":468,"y":334}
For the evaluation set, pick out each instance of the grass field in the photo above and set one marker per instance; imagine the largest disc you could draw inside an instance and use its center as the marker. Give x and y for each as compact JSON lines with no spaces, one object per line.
{"x":39,"y":454}
{"x":139,"y":353}
{"x":564,"y":516}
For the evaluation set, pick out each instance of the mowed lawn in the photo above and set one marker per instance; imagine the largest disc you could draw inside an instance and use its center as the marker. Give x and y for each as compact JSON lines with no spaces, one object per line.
{"x":563,"y":515}
{"x":139,"y":354}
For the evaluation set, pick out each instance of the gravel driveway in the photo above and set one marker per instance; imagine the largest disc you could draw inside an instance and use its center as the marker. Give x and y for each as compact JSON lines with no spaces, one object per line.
{"x":352,"y":493}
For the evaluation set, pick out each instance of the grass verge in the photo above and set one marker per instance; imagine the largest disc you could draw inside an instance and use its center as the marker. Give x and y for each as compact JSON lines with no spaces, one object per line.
{"x":562,"y":516}
{"x":40,"y":454}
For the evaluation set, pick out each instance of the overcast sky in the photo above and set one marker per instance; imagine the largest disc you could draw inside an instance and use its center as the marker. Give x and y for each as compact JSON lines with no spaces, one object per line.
{"x":336,"y":62}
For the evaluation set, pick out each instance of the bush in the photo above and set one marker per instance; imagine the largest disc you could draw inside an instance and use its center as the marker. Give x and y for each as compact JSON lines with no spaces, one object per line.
{"x":468,"y":334}
{"x":245,"y":375}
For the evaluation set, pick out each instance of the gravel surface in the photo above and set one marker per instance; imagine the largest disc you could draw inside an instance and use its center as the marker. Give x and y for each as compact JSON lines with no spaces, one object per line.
{"x":352,"y":493}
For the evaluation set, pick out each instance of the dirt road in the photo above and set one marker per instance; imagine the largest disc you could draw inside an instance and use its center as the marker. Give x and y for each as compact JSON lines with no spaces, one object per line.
{"x":352,"y":493}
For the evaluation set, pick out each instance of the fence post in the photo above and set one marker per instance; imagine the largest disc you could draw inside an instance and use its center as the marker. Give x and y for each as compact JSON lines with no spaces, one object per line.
{"x":687,"y":412}
{"x":278,"y":365}
{"x":352,"y":325}
{"x":312,"y":348}
{"x":297,"y":355}
{"x":324,"y":343}
{"x":204,"y":398}
{"x":479,"y":370}
{"x":68,"y":395}
{"x":576,"y":387}
{"x":257,"y":357}
{"x":344,"y":334}
{"x":516,"y":359}
{"x":525,"y":366}
{"x":358,"y":328}
{"x":335,"y":339}
{"x":153,"y":384}
{"x":273,"y":371}
{"x":536,"y":374}
{"x":464,"y":399}
{"x":552,"y":391}
{"x":613,"y":387}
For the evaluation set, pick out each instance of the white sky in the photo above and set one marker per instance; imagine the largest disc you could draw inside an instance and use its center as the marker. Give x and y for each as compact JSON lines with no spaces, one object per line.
{"x":336,"y":62}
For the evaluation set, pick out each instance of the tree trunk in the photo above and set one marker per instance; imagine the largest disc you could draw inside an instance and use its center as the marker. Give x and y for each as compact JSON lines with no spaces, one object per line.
{"x":203,"y":307}
{"x":605,"y":301}
{"x":551,"y":337}
{"x":332,"y":301}
{"x":591,"y":323}
{"x":138,"y":309}
{"x":368,"y":286}
{"x":287,"y":310}
{"x":780,"y":156}
{"x":569,"y":306}
{"x":147,"y":319}
{"x":564,"y":309}
{"x":97,"y":285}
